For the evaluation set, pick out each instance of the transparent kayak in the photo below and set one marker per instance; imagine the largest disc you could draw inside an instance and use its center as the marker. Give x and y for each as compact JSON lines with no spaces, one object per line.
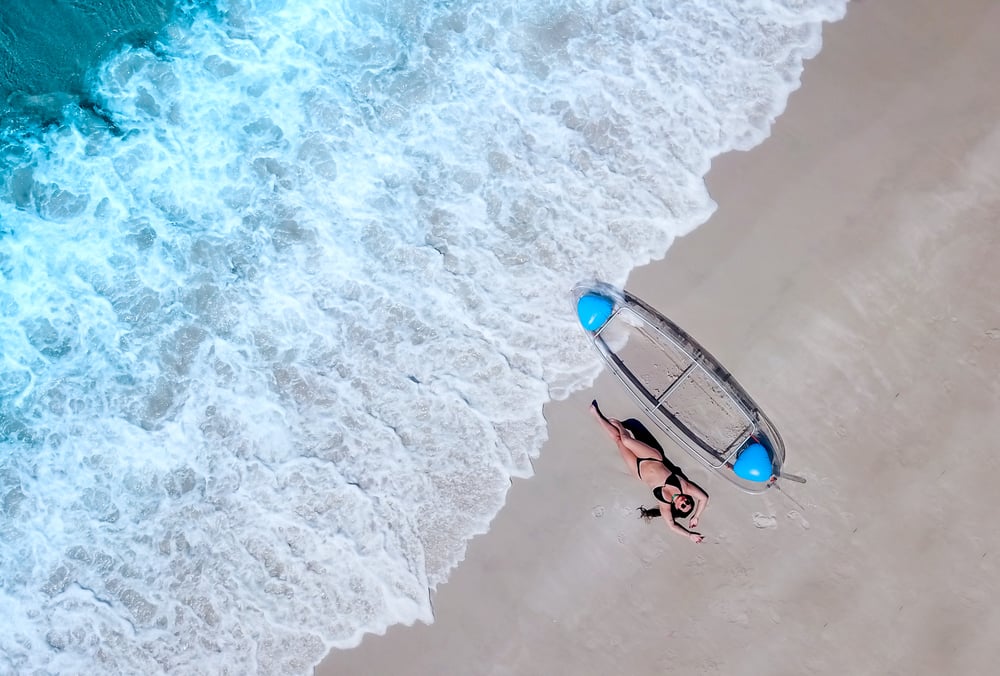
{"x":682,"y":388}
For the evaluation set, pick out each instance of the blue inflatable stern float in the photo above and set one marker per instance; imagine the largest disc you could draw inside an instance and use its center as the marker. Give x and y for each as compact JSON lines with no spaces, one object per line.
{"x":594,"y":310}
{"x":753,"y":463}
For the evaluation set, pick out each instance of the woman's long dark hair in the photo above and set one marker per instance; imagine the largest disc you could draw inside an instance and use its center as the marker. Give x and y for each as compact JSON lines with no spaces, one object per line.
{"x":654,"y":512}
{"x":648,"y":514}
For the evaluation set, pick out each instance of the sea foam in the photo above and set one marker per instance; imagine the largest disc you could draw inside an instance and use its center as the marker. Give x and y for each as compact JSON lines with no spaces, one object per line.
{"x":275,"y":341}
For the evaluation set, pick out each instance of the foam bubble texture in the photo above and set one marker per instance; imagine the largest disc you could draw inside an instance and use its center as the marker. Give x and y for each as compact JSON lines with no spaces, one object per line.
{"x":274,"y":348}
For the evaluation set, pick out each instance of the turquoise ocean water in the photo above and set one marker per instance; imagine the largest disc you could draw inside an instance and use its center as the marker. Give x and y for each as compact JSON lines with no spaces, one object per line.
{"x":284,"y":285}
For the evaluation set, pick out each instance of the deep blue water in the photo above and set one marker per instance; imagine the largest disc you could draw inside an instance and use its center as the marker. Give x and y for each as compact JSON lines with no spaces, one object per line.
{"x":49,"y":47}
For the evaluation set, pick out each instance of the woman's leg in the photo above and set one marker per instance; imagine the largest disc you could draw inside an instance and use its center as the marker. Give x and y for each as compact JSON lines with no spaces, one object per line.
{"x":638,"y":448}
{"x":614,"y":431}
{"x":629,"y":448}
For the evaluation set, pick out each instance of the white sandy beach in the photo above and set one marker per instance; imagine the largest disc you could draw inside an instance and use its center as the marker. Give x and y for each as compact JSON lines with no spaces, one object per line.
{"x":850,"y":281}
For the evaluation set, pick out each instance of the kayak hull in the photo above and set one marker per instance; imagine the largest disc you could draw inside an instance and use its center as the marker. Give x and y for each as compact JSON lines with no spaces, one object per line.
{"x":682,"y":388}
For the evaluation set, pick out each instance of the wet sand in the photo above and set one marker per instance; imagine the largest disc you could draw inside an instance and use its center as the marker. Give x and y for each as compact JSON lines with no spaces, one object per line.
{"x":849,"y":281}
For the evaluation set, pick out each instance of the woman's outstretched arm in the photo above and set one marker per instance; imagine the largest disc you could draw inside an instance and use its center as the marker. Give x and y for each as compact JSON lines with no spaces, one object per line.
{"x":679,"y":529}
{"x":700,"y":498}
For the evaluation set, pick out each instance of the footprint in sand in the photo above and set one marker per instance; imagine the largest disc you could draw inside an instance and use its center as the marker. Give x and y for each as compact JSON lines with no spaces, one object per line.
{"x":764,"y":520}
{"x":598,"y":511}
{"x":795,"y":516}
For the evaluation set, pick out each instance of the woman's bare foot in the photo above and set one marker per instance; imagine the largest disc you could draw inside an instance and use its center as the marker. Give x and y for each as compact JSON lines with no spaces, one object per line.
{"x":596,"y":410}
{"x":610,"y":425}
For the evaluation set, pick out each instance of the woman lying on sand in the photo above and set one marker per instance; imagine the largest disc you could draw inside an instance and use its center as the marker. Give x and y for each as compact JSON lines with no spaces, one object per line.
{"x":650,"y":466}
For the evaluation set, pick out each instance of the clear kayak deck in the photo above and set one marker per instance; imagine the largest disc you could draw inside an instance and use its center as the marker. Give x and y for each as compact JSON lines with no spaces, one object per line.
{"x":682,"y":388}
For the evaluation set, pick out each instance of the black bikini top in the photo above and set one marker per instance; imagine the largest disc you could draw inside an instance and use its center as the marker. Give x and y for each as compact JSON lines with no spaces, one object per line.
{"x":672,"y":480}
